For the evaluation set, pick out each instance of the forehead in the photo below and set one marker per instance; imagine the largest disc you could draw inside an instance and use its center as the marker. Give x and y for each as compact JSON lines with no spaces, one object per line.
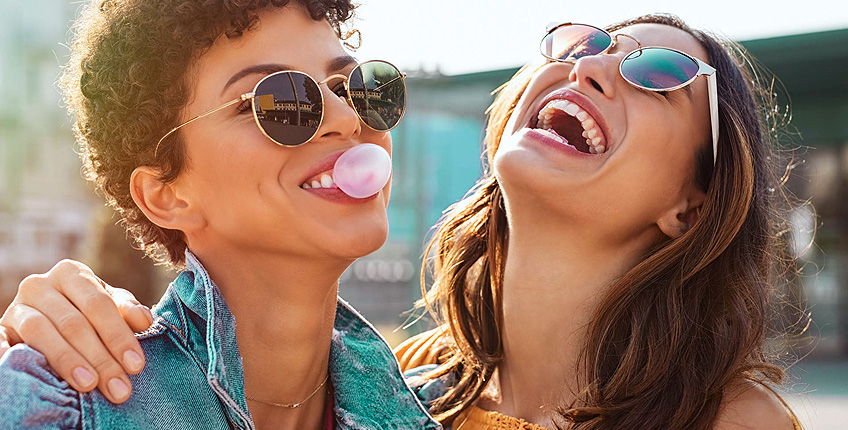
{"x":285,"y":35}
{"x":665,"y":36}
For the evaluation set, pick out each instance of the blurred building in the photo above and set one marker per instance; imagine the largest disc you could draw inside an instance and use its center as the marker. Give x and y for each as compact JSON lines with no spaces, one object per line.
{"x":814,"y":70}
{"x":45,"y":206}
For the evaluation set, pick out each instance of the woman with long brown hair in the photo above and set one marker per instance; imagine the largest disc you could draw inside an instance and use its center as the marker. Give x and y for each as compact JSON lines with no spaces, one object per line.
{"x":613,"y":268}
{"x":626,"y":288}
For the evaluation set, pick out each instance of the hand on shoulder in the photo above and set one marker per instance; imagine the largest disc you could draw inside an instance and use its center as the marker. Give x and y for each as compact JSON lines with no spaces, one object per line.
{"x":749,"y":405}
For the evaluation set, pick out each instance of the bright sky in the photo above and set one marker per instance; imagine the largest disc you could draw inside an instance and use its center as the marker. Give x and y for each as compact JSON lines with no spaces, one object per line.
{"x":461,"y":36}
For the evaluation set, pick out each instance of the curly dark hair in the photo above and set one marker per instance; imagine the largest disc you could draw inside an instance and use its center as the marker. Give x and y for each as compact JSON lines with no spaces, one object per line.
{"x":128,"y":79}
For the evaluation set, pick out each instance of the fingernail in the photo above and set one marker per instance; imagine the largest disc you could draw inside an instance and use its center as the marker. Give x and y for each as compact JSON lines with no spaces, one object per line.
{"x":83,"y":376}
{"x":147,"y":312}
{"x":118,"y":388}
{"x":133,"y":361}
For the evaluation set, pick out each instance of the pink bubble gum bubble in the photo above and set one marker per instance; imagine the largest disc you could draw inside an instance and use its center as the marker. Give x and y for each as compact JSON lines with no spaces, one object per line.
{"x":363,"y":170}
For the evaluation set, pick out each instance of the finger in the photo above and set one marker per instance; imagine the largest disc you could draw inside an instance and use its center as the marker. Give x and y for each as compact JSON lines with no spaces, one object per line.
{"x":78,"y":335}
{"x":134,"y":313}
{"x":86,"y":294}
{"x":42,"y":336}
{"x":9,"y":335}
{"x":4,"y":342}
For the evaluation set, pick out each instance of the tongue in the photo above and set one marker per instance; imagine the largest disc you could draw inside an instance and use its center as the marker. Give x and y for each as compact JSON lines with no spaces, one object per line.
{"x":363,"y":170}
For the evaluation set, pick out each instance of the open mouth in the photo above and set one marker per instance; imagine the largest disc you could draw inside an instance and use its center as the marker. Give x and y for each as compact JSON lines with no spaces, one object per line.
{"x":571,"y":125}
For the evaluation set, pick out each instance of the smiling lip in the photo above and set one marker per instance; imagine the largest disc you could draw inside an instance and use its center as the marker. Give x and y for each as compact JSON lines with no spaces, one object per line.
{"x":555,"y":144}
{"x":324,"y":165}
{"x":580,"y":100}
{"x":338,"y":196}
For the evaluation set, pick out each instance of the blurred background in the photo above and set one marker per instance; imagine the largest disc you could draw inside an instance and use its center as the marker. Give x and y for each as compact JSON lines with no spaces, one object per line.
{"x":455,"y":53}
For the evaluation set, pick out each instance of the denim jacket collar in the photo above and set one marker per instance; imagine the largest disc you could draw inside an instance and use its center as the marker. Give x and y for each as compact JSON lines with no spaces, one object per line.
{"x":370,"y":392}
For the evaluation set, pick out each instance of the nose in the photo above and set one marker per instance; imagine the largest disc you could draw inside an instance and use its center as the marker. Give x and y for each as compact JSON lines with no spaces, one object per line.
{"x":340,"y":121}
{"x":596,"y":72}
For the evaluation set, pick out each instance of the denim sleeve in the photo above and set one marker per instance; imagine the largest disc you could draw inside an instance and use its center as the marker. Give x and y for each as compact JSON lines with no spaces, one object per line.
{"x":428,"y":390}
{"x":32,"y":396}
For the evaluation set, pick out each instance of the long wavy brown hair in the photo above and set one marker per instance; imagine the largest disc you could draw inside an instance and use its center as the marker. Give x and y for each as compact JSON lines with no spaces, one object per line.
{"x":678,"y":328}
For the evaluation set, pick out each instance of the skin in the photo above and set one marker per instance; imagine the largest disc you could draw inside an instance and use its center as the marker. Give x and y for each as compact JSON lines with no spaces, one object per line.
{"x":578,"y":223}
{"x":279,"y":272}
{"x":615,"y":206}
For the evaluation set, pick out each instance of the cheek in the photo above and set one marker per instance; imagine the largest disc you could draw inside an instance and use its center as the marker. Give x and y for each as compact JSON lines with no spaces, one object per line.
{"x":382,"y":139}
{"x":234,"y":160}
{"x":656,"y":171}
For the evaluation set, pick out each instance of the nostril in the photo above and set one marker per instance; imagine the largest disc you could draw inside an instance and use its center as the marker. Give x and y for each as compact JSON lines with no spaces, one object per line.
{"x":596,"y":85}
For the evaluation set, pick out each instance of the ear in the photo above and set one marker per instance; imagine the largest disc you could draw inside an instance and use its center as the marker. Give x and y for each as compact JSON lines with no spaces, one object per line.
{"x":680,"y":218}
{"x":162,"y":203}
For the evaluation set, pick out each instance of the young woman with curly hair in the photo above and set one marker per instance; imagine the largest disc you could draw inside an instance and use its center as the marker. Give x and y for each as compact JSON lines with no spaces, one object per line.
{"x":613,"y":268}
{"x":212,"y":127}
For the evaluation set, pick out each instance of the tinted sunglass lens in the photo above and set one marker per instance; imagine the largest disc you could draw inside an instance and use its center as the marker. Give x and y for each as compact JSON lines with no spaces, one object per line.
{"x":288,"y":107}
{"x":571,"y":42}
{"x":658,"y":68}
{"x":378,"y":94}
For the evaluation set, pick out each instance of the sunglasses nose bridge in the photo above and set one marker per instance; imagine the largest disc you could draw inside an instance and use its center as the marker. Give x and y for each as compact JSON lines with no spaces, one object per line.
{"x":339,"y":116}
{"x":326,"y":80}
{"x":614,"y":41}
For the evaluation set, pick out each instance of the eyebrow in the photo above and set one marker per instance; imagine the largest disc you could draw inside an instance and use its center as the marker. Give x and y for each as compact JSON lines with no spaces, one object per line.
{"x":334,"y":65}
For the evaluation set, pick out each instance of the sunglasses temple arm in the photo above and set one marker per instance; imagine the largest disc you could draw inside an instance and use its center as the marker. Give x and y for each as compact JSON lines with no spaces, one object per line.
{"x":712,"y":89}
{"x":242,"y":97}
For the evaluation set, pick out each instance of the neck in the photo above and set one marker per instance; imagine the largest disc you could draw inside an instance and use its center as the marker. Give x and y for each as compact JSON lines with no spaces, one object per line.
{"x":554,"y":280}
{"x":285,"y":309}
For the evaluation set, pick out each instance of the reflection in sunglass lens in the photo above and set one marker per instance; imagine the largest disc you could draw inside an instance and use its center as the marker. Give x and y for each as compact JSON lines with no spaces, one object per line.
{"x":288,"y":107}
{"x":658,"y":68}
{"x":571,"y":42}
{"x":378,"y":94}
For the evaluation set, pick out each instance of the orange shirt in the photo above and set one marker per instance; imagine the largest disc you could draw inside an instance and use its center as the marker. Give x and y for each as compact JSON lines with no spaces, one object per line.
{"x":475,"y":418}
{"x":427,"y":347}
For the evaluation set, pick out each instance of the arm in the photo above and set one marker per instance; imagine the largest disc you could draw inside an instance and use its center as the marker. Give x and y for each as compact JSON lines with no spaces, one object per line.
{"x":33,"y":397}
{"x":83,"y":327}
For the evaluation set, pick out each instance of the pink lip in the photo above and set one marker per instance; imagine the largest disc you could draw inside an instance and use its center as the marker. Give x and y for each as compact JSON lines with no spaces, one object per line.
{"x":334,"y":194}
{"x":324,"y":165}
{"x":338,"y":196}
{"x":580,"y":100}
{"x":553,"y":143}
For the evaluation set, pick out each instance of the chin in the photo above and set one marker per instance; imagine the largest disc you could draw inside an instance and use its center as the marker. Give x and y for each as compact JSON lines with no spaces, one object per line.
{"x":535,"y":193}
{"x":522,"y":173}
{"x":358,"y":240}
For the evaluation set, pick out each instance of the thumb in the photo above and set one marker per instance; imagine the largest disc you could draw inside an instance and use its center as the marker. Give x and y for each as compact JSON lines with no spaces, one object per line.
{"x":8,"y":337}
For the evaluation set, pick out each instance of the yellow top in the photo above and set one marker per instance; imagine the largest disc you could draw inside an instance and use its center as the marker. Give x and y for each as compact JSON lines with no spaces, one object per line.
{"x":475,"y":418}
{"x":428,"y":347}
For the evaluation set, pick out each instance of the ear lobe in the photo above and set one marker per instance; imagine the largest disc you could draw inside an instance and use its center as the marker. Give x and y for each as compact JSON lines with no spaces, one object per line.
{"x":680,"y":219}
{"x":161,"y":203}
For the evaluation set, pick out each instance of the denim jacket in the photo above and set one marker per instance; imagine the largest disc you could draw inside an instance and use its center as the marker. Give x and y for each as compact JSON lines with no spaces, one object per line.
{"x":194,"y":378}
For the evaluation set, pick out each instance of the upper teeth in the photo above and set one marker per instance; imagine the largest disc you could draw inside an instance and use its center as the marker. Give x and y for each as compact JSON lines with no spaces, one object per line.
{"x":325,"y":181}
{"x":591,"y":132}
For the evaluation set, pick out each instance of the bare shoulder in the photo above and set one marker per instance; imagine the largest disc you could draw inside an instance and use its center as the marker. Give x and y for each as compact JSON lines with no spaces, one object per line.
{"x":750,"y":405}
